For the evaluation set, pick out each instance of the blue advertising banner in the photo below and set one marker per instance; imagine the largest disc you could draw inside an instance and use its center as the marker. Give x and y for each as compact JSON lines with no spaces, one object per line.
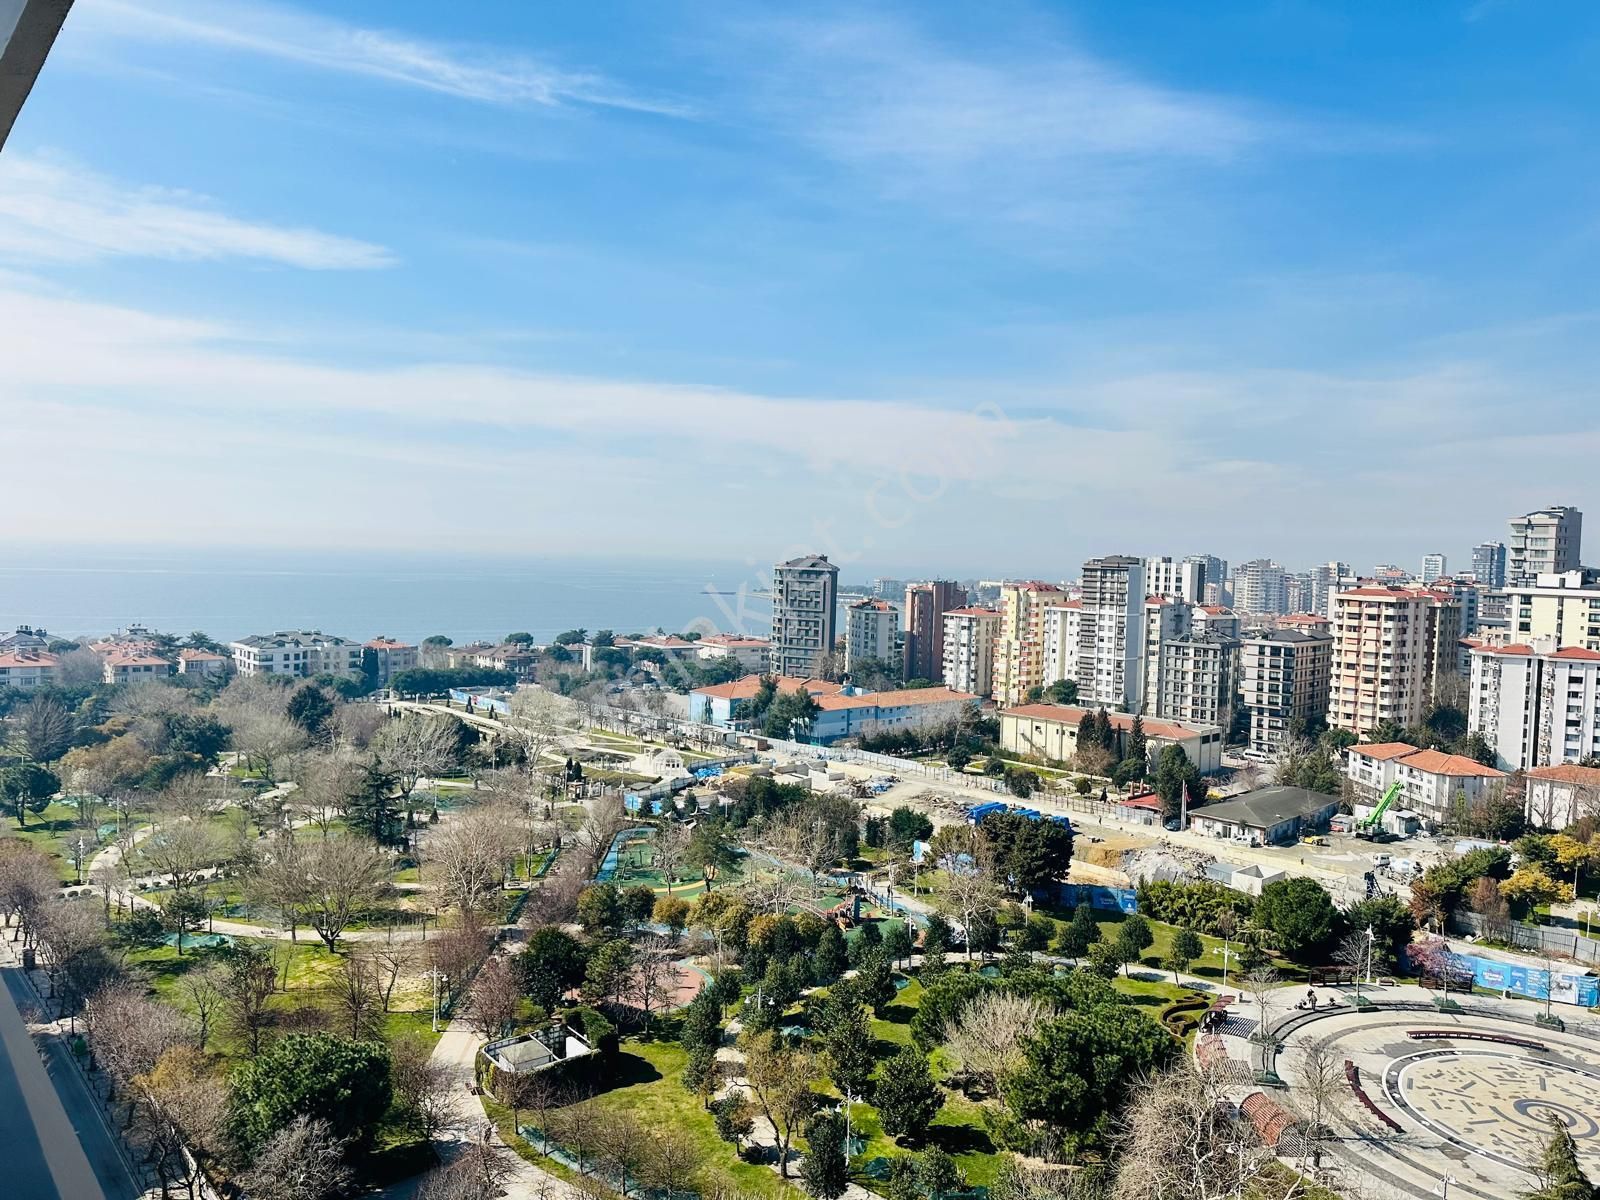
{"x":1567,"y":987}
{"x":1095,"y":896}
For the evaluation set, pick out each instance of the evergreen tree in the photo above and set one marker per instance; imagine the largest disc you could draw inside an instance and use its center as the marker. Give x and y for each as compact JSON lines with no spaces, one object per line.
{"x":1563,"y":1177}
{"x":370,"y":809}
{"x":828,"y":961}
{"x":1138,"y":747}
{"x":906,"y":1097}
{"x":1104,"y":733}
{"x":1078,"y":934}
{"x":847,"y":1043}
{"x":825,"y":1172}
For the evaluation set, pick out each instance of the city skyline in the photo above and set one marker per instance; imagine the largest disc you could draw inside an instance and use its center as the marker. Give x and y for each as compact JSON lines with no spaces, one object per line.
{"x":534,"y":262}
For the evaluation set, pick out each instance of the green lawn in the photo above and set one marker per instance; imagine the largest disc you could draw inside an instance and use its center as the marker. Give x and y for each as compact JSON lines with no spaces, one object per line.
{"x":56,"y":830}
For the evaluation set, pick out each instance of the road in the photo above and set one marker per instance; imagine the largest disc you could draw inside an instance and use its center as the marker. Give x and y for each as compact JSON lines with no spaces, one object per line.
{"x":51,"y":1153}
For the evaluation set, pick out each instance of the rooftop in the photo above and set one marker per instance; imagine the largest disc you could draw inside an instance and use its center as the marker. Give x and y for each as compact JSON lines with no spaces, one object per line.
{"x":746,"y":687}
{"x":1457,"y":766}
{"x":1567,"y":773}
{"x":27,"y":658}
{"x":1268,"y":806}
{"x":899,"y":698}
{"x":1295,"y":637}
{"x":809,"y":562}
{"x":291,"y":638}
{"x":1071,"y":714}
{"x":972,"y":610}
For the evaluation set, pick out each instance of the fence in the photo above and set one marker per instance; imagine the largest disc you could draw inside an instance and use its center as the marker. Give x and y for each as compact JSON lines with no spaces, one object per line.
{"x":1568,"y":943}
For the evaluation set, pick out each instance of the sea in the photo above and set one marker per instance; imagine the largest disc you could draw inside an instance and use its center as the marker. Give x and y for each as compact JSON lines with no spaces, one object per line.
{"x":231,"y":593}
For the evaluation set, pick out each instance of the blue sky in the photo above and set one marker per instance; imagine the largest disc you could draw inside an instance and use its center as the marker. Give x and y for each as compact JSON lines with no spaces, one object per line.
{"x":976,"y":288}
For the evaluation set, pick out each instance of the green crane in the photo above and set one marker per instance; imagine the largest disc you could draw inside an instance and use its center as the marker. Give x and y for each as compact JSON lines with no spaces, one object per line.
{"x":1370,"y":822}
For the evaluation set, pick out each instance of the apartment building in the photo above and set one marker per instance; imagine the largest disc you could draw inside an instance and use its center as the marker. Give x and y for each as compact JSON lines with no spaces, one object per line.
{"x":1440,"y":788}
{"x":301,"y":653}
{"x":26,"y":668}
{"x":1433,"y":566}
{"x":1165,"y":621}
{"x":1391,"y":647}
{"x":391,"y":657}
{"x":1260,"y":586}
{"x":1198,"y":680}
{"x":1213,"y":573}
{"x":1181,"y":579}
{"x":1215,"y":618}
{"x":132,"y":665}
{"x":805,"y":599}
{"x":1489,"y":564}
{"x":870,"y":632}
{"x":202,"y":663}
{"x":1326,"y":579}
{"x":1555,"y":797}
{"x":1283,"y":680}
{"x":969,"y":638}
{"x":1019,"y":649}
{"x":1061,"y":621}
{"x":926,"y":604}
{"x":751,"y":653}
{"x":1546,"y":542}
{"x":1563,"y":606}
{"x":1051,"y":732}
{"x":1111,"y":630}
{"x":1537,"y":705}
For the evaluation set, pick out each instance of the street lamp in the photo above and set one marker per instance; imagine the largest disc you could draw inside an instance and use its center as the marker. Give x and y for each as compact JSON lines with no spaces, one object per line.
{"x":438,"y":977}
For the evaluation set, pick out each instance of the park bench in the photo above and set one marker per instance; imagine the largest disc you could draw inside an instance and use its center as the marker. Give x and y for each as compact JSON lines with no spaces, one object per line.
{"x":1353,"y":1074}
{"x":1505,"y":1039}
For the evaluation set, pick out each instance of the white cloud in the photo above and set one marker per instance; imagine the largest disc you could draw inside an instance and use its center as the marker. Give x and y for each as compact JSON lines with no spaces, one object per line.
{"x":52,"y":211}
{"x":291,"y":35}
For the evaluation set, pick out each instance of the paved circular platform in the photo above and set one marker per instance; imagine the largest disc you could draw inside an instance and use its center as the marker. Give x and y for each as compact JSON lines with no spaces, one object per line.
{"x":1466,"y":1096}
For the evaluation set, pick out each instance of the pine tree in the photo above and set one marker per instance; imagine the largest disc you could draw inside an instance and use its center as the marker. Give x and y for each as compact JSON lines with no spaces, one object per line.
{"x":370,"y":809}
{"x":1138,"y":744}
{"x":1104,"y":733}
{"x":1563,"y":1177}
{"x":825,"y":1172}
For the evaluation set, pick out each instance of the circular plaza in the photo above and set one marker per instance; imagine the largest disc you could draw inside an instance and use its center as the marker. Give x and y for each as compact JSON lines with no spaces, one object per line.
{"x":1412,"y":1097}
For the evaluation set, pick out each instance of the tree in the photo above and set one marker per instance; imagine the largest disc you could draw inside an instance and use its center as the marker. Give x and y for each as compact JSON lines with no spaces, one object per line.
{"x":907,"y":825}
{"x":422,"y":1086}
{"x":608,"y":971}
{"x":1186,"y":948}
{"x":553,"y":962}
{"x":874,"y":981}
{"x":302,"y":1161}
{"x":672,"y":912}
{"x":1078,"y":934}
{"x":780,"y":1079}
{"x":201,"y":989}
{"x":316,"y":1075}
{"x":1392,"y":927}
{"x":735,"y":1117}
{"x":907,"y":1098}
{"x":1079,"y":1067}
{"x":44,"y":729}
{"x":246,"y":981}
{"x":416,"y":747}
{"x":1027,"y":854}
{"x":1559,"y":1174}
{"x":825,"y":1173}
{"x":1134,"y":937}
{"x":343,"y":878}
{"x":938,"y":1173}
{"x":897,"y":941}
{"x":1530,"y":887}
{"x":472,"y":855}
{"x":26,"y":788}
{"x":600,"y":909}
{"x":1138,"y":747}
{"x":847,"y":1044}
{"x":1175,"y":776}
{"x":828,"y":960}
{"x":1301,"y":914}
{"x":988,"y":1033}
{"x":310,"y":709}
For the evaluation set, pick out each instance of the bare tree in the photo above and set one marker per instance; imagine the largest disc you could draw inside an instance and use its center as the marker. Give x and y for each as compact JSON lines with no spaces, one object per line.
{"x":44,"y":729}
{"x":654,"y":973}
{"x":670,"y":1165}
{"x":279,"y":881}
{"x":624,"y":1150}
{"x":247,"y":984}
{"x":988,"y":1033}
{"x":780,"y":1079}
{"x":264,"y":739}
{"x":358,"y":994}
{"x":471,"y":856}
{"x":1319,"y":1085}
{"x":1261,"y":981}
{"x":671,"y":849}
{"x":202,"y":991}
{"x":1180,"y":1141}
{"x":302,"y":1161}
{"x":27,"y":881}
{"x":344,"y":877}
{"x":496,"y":1000}
{"x":457,"y":952}
{"x":540,"y":718}
{"x":72,"y":939}
{"x":970,"y":895}
{"x":392,"y":960}
{"x":326,"y":783}
{"x":356,"y":725}
{"x":416,"y":747}
{"x":422,"y":1086}
{"x":180,"y":1114}
{"x":579,"y":1127}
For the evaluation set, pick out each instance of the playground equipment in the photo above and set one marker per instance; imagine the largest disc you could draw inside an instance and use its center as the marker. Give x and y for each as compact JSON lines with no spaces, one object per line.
{"x":1369,"y":825}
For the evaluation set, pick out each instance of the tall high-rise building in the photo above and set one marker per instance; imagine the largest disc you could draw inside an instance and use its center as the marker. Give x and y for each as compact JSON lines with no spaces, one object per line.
{"x":870,"y":633}
{"x":805,"y":601}
{"x":1392,"y":646}
{"x":926,"y":604}
{"x":888,"y":589}
{"x":1198,"y":680}
{"x":1111,"y":632}
{"x":1433,"y":566}
{"x":1213,"y":573}
{"x":1260,"y":587}
{"x":1563,"y":607}
{"x":1182,"y":580}
{"x":1299,"y":592}
{"x":1489,"y":563}
{"x":1019,"y":649}
{"x":1544,"y":542}
{"x":1165,"y":621}
{"x":969,"y":635}
{"x":1535,"y":704}
{"x":1283,"y":677}
{"x":1061,"y":620}
{"x":1325,"y":581}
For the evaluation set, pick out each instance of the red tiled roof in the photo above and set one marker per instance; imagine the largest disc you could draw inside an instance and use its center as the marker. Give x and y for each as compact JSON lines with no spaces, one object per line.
{"x":1567,"y":773}
{"x":383,"y":643}
{"x":875,"y":605}
{"x":1071,"y":714}
{"x":733,"y":639}
{"x":743,"y":689}
{"x":1216,"y":610}
{"x":202,"y":656}
{"x":977,"y":610}
{"x":1436,"y":762}
{"x":1032,"y":585}
{"x":900,"y":698}
{"x":134,"y":659}
{"x":27,"y":658}
{"x":1147,"y":801}
{"x":1383,"y":751}
{"x":1577,"y":652}
{"x":1066,"y":604}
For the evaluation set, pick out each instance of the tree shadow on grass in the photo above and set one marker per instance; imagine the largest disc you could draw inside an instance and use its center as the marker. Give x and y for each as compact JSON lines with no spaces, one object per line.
{"x":961,"y":1139}
{"x":897,"y":1014}
{"x":625,"y":1070}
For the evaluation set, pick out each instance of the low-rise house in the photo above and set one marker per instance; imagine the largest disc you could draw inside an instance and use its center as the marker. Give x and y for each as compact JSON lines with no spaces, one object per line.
{"x":1140,"y":810}
{"x":1050,"y":731}
{"x":718,"y":704}
{"x":136,"y":666}
{"x":751,"y":653}
{"x":518,"y":658}
{"x":1265,"y":817}
{"x":27,"y":668}
{"x":202,"y":663}
{"x":26,"y":637}
{"x":1440,"y":788}
{"x":1557,"y":796}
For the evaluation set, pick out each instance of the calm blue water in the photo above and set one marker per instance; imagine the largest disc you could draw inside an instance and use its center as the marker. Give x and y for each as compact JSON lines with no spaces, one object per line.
{"x":229,"y":594}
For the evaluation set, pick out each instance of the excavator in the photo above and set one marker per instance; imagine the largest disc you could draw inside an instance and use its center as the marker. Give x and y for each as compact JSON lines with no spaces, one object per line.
{"x":1370,"y":825}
